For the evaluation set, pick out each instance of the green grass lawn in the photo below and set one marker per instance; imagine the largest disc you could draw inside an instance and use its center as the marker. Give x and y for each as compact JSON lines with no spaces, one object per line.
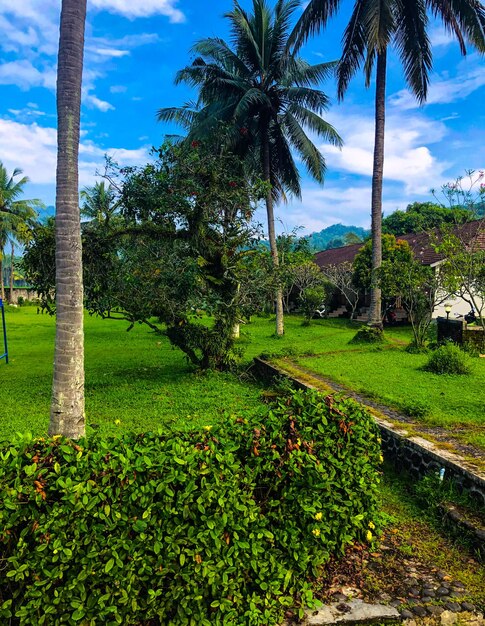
{"x":138,"y":378}
{"x":135,"y":377}
{"x":388,"y":374}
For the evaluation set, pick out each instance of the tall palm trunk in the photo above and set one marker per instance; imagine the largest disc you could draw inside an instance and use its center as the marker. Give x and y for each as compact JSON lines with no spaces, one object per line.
{"x":280,"y":328}
{"x":375,"y":317}
{"x":12,"y":250}
{"x":67,"y":408}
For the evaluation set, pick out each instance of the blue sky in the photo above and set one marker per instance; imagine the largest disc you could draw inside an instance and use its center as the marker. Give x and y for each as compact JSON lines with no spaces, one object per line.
{"x":135,"y":47}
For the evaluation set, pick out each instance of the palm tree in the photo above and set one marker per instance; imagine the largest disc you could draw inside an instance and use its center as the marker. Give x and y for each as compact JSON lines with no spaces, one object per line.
{"x":15,"y":213}
{"x":258,"y":99}
{"x":374,"y":26}
{"x":99,"y":202}
{"x":67,"y":408}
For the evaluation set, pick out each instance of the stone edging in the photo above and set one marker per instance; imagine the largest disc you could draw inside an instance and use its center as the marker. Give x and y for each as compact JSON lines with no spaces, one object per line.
{"x":416,"y":454}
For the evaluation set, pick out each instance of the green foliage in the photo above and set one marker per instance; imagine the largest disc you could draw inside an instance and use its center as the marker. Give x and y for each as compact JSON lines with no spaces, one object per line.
{"x":416,"y":408}
{"x":448,"y":359}
{"x":419,"y":288}
{"x":368,"y":334}
{"x":173,"y":242}
{"x":311,"y":299}
{"x":39,"y":262}
{"x":423,"y":216}
{"x":222,"y":526}
{"x":394,"y":251}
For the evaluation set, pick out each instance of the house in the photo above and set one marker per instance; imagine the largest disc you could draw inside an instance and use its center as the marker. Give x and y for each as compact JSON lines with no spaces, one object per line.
{"x":471,"y":233}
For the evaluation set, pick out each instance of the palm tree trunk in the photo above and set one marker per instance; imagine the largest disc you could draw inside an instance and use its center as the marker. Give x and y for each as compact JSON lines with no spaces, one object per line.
{"x":375,"y":317}
{"x":11,"y":274}
{"x":67,"y":408}
{"x":280,"y":327}
{"x":2,"y":288}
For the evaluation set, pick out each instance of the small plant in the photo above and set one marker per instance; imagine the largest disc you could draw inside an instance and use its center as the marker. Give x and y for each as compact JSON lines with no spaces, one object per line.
{"x":368,"y":334}
{"x":448,"y":359}
{"x":416,"y":408}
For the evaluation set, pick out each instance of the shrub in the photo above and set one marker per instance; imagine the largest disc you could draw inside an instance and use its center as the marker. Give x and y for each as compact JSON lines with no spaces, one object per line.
{"x":368,"y":334}
{"x":416,"y":408}
{"x":448,"y":359}
{"x":223,"y":526}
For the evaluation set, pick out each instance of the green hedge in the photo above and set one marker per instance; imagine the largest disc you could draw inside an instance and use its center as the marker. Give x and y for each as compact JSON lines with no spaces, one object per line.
{"x":224,"y":526}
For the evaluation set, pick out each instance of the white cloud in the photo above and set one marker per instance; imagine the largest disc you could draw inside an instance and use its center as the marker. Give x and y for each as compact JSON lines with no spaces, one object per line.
{"x":147,"y":8}
{"x":34,"y":148}
{"x":408,"y":158}
{"x":111,"y":52}
{"x":440,"y":37}
{"x":25,"y":75}
{"x":94,"y":102}
{"x":443,"y":90}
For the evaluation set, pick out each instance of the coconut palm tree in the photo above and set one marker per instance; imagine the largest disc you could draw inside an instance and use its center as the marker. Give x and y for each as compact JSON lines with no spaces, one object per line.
{"x":260,"y":101}
{"x":99,"y":202}
{"x":15,"y":213}
{"x":67,"y":408}
{"x":374,"y":26}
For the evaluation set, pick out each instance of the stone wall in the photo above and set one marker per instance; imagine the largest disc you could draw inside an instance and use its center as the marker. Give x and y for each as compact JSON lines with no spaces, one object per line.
{"x":451,"y":329}
{"x":460,"y":332}
{"x":20,"y":292}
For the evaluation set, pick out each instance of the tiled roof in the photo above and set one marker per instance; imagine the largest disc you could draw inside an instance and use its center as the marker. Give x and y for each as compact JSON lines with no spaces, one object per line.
{"x":419,"y":243}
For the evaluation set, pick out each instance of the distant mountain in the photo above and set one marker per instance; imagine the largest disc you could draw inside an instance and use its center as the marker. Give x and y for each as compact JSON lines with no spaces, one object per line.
{"x":335,"y":236}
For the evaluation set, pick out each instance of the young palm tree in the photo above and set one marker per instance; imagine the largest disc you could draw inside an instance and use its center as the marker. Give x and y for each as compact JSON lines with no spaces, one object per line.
{"x":67,"y":408}
{"x":373,"y":27}
{"x":14,"y":214}
{"x":259,"y":100}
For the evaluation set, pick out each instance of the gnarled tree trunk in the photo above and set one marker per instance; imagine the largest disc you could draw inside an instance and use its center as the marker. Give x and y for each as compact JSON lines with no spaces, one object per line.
{"x":67,"y":408}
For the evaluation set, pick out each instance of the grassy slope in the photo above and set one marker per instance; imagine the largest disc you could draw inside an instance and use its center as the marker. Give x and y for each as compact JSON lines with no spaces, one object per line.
{"x":135,"y":377}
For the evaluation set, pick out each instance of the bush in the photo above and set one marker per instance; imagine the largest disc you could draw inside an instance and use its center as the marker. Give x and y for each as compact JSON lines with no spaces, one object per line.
{"x":368,"y":334}
{"x":416,"y":408}
{"x":448,"y":359}
{"x":223,"y":526}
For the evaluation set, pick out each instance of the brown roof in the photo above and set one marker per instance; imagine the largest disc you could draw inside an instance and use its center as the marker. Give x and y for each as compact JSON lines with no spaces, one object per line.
{"x":419,"y":243}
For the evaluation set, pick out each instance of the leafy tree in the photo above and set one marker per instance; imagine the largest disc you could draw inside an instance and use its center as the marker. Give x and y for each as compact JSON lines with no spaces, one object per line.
{"x":67,"y":408}
{"x":372,"y":29}
{"x":420,"y":289}
{"x":463,"y":269}
{"x":423,"y":216}
{"x":99,"y":202}
{"x":16,"y":214}
{"x":394,"y":251}
{"x":173,"y":254}
{"x":264,"y":97}
{"x":39,"y":262}
{"x":466,"y":192}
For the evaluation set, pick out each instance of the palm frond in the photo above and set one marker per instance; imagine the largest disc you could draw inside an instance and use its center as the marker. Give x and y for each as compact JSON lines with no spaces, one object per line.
{"x":413,"y":45}
{"x":309,"y":153}
{"x":217,"y":50}
{"x":354,"y":48}
{"x":314,"y":18}
{"x":317,"y":125}
{"x":313,"y":99}
{"x":465,"y":19}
